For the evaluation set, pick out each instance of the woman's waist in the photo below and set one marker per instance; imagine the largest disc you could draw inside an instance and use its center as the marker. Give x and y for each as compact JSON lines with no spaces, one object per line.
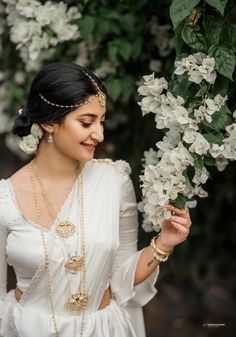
{"x":105,"y":301}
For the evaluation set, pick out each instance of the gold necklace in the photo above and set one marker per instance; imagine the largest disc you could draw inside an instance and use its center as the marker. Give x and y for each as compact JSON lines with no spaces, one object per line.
{"x":46,"y":258}
{"x":64,"y":228}
{"x":79,"y":300}
{"x":74,"y":263}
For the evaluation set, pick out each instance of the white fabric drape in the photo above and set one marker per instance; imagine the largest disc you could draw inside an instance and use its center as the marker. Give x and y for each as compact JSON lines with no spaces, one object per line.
{"x":111,"y":253}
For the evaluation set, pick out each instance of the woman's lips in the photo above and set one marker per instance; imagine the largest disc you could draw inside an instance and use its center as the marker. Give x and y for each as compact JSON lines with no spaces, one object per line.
{"x":90,"y":147}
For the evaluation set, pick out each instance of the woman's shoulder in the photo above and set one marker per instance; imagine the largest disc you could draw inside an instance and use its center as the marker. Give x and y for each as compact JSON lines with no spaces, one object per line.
{"x":118,"y":166}
{"x":6,"y":185}
{"x":3,"y":188}
{"x":4,"y":200}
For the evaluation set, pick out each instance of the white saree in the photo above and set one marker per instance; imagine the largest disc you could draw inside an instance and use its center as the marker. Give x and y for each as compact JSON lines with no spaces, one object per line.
{"x":111,"y":224}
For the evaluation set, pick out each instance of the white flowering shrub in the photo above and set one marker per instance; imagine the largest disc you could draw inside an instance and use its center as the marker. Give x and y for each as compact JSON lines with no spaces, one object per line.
{"x":35,"y":27}
{"x":199,"y":131}
{"x":191,"y":109}
{"x":108,"y":40}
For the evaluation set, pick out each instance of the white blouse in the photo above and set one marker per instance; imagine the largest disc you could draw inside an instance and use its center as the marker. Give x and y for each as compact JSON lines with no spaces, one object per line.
{"x":111,"y":224}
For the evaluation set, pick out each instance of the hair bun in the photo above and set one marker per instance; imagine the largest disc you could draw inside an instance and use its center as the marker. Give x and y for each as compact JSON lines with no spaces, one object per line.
{"x":23,"y":123}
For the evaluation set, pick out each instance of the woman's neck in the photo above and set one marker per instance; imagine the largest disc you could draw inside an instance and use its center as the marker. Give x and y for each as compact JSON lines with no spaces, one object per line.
{"x":54,"y":165}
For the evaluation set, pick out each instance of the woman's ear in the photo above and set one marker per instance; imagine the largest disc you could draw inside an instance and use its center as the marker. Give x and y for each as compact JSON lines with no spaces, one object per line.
{"x":47,"y":127}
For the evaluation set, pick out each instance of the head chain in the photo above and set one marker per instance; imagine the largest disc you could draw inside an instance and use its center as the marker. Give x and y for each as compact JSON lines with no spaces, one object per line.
{"x":101,"y":97}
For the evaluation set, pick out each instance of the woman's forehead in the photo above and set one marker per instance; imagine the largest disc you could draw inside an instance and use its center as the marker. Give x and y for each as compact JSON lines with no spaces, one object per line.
{"x":92,"y":109}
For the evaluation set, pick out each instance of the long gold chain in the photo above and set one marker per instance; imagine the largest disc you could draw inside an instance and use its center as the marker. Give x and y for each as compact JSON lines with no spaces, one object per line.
{"x":74,"y":263}
{"x":39,"y":219}
{"x":82,"y":295}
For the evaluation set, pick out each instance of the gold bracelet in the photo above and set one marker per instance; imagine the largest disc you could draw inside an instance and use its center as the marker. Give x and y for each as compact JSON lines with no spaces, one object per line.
{"x":156,"y":249}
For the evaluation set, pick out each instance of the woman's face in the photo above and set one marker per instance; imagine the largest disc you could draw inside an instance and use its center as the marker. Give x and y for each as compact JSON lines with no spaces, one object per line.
{"x":80,"y":132}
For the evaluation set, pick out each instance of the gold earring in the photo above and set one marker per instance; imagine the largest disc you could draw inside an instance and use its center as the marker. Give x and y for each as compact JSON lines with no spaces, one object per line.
{"x":50,"y":139}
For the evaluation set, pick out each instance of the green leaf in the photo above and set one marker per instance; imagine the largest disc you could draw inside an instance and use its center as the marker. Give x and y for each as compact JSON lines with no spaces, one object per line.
{"x":110,"y":14}
{"x":124,"y":49}
{"x":194,"y":38}
{"x":17,"y":94}
{"x":214,"y":138}
{"x":221,"y":86}
{"x":219,"y":119}
{"x":114,"y":88}
{"x":103,"y":28}
{"x":128,"y":86}
{"x":128,"y":22}
{"x":112,"y":51}
{"x":209,"y":160}
{"x":180,"y":201}
{"x":86,"y":25}
{"x":177,"y":41}
{"x":218,"y":4}
{"x":232,"y":36}
{"x":137,"y":48}
{"x":180,"y":9}
{"x":180,"y":85}
{"x":198,"y":164}
{"x":213,"y":27}
{"x":225,"y":59}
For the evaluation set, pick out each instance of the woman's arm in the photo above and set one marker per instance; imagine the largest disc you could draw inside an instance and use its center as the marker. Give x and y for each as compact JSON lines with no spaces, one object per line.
{"x":3,"y":268}
{"x":174,"y":231}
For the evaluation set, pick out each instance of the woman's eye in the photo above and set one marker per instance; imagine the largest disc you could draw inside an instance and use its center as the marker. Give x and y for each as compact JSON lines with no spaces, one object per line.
{"x":86,"y":125}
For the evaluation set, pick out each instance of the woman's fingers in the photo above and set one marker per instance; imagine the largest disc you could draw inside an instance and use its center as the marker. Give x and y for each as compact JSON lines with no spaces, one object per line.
{"x":183,"y":221}
{"x":180,"y":212}
{"x":176,"y":210}
{"x":182,"y":229}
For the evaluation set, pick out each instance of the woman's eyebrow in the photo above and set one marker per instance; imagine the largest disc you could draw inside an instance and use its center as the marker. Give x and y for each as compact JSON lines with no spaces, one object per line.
{"x":90,"y":115}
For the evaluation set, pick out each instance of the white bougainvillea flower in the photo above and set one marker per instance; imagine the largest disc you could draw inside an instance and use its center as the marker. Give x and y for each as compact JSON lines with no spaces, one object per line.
{"x":150,"y":157}
{"x":207,"y":69}
{"x":234,"y":114}
{"x":216,"y":150}
{"x":35,"y":27}
{"x":191,"y":203}
{"x":201,"y":176}
{"x":221,"y":163}
{"x":190,"y":135}
{"x":200,"y":145}
{"x":201,"y":192}
{"x":198,"y":66}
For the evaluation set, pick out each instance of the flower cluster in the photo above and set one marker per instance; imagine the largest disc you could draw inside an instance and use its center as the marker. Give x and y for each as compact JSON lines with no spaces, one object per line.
{"x":36,"y":27}
{"x":176,"y":170}
{"x":29,"y":144}
{"x":198,"y":66}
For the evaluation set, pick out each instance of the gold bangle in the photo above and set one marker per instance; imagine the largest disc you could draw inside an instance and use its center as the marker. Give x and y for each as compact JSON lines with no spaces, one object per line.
{"x":156,"y":249}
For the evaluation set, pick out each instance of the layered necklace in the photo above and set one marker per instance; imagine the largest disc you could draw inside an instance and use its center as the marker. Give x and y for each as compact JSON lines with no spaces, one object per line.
{"x":79,"y":300}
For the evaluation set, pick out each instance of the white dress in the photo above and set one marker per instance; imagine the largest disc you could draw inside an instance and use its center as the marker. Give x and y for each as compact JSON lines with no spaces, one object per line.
{"x":110,"y":216}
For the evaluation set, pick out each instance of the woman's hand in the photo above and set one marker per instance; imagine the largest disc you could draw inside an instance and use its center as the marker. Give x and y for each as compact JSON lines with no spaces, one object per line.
{"x":175,"y":229}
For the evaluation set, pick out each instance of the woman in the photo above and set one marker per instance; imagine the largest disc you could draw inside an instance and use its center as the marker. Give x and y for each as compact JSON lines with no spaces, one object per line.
{"x":69,"y":222}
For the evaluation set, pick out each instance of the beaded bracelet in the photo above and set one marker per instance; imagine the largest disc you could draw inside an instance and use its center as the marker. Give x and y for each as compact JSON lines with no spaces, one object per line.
{"x":160,"y":258}
{"x":158,"y":254}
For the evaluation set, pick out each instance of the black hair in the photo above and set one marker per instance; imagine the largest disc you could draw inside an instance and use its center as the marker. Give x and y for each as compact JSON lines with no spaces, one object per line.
{"x":59,"y":83}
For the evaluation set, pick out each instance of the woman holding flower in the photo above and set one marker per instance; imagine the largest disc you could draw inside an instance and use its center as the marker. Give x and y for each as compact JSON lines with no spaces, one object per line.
{"x":69,"y":222}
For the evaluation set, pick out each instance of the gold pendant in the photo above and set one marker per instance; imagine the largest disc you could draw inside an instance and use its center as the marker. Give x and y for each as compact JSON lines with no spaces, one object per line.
{"x":65,"y":228}
{"x":77,"y":301}
{"x":74,"y":264}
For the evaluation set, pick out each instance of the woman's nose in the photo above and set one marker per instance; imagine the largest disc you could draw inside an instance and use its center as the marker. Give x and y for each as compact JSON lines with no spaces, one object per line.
{"x":98,"y":134}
